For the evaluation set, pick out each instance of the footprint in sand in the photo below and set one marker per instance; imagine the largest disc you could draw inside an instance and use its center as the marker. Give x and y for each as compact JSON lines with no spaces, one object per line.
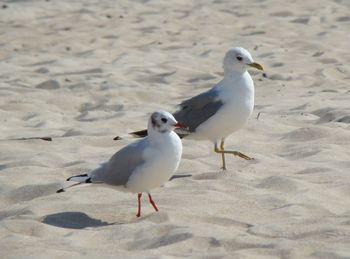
{"x":29,"y":192}
{"x":343,"y":19}
{"x":282,"y":14}
{"x":277,"y":64}
{"x":332,"y":115}
{"x":49,"y":85}
{"x":299,"y":151}
{"x":301,"y":20}
{"x":278,"y":183}
{"x":306,"y":134}
{"x":156,"y":237}
{"x":280,"y":77}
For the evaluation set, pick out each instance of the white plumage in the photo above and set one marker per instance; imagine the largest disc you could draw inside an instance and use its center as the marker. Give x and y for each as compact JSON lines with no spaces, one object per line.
{"x":223,"y":109}
{"x":144,"y":164}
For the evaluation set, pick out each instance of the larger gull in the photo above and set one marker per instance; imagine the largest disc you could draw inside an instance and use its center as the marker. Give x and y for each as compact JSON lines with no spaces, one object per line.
{"x":144,"y":164}
{"x":225,"y":108}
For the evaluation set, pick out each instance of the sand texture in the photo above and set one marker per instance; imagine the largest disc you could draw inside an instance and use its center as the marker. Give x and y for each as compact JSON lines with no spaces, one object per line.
{"x":83,"y":72}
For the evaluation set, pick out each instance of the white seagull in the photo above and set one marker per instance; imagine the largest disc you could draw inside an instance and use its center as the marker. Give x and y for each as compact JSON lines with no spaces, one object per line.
{"x":225,"y":108}
{"x":144,"y":164}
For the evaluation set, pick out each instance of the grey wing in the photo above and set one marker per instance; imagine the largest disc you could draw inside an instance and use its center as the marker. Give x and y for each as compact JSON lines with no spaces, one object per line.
{"x":198,"y":109}
{"x":121,"y":165}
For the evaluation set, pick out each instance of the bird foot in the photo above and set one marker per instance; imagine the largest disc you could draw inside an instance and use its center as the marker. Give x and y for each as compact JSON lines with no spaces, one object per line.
{"x":241,"y":155}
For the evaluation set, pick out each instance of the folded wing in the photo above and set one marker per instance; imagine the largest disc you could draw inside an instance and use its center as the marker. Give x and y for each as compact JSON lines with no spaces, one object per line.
{"x":193,"y":112}
{"x":121,"y":165}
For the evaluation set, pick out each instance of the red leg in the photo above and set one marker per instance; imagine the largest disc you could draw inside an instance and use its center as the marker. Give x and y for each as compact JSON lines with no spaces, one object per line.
{"x":152,"y":202}
{"x":139,"y":204}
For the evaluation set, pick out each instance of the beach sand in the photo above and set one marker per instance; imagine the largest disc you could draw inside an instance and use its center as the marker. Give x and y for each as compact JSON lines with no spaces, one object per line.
{"x":83,"y":72}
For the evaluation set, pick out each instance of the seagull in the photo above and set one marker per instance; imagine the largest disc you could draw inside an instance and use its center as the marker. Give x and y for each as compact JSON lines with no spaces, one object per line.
{"x":142,"y":165}
{"x":215,"y":114}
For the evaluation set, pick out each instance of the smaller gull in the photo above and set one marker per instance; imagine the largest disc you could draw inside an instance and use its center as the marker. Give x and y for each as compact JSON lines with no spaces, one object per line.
{"x":144,"y":164}
{"x":223,"y":109}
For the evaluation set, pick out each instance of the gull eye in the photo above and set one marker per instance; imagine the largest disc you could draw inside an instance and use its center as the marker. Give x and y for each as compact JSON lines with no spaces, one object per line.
{"x":164,"y":120}
{"x":239,"y":58}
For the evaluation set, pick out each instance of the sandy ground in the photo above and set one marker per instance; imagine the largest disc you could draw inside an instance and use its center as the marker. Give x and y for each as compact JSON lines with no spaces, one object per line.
{"x":83,"y":72}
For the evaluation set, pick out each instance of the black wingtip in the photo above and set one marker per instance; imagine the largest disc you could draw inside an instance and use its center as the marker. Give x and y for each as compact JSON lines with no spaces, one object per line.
{"x":117,"y":138}
{"x":81,"y":175}
{"x":60,"y":190}
{"x":139,"y":134}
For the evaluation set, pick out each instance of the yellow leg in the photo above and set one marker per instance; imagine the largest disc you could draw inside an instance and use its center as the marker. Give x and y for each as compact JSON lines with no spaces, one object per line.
{"x":222,"y":151}
{"x":223,"y":155}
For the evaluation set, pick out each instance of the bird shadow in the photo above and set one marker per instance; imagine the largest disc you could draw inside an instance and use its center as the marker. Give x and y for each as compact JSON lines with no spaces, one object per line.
{"x":74,"y":220}
{"x":179,"y":176}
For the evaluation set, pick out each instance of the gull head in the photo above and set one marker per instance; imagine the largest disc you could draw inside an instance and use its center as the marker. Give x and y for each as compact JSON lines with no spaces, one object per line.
{"x":238,"y":59}
{"x":162,"y":121}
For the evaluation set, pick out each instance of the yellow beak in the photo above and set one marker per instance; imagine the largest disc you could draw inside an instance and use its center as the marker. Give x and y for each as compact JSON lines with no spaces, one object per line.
{"x":256,"y":65}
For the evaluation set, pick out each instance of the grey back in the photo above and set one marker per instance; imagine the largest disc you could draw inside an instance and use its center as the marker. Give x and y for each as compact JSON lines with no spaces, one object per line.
{"x":193,"y":112}
{"x":121,"y":165}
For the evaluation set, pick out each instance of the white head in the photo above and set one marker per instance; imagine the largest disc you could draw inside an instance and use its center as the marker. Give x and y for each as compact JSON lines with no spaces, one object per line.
{"x":237,"y":59}
{"x":163,"y":122}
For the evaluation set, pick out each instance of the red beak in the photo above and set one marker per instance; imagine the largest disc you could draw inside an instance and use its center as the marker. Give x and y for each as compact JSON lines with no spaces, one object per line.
{"x":180,"y":125}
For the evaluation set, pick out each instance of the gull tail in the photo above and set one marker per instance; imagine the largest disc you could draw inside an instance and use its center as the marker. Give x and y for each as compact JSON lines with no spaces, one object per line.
{"x":80,"y":179}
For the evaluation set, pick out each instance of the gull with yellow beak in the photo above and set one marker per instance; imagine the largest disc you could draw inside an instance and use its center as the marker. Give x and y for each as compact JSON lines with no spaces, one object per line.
{"x":225,"y":108}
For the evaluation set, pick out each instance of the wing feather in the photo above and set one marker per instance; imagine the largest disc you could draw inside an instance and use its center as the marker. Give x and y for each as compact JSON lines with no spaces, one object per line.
{"x":121,"y":165}
{"x":196,"y":110}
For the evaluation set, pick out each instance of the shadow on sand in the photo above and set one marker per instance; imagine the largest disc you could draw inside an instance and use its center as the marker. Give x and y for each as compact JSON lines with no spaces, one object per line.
{"x":179,"y":176}
{"x":75,"y":220}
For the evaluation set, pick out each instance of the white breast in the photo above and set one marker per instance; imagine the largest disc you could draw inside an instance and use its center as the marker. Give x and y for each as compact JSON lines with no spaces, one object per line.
{"x":238,"y":99}
{"x":162,"y":160}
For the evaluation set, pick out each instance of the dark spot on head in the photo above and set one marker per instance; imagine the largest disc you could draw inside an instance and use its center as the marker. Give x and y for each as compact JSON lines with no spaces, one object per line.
{"x":154,"y":122}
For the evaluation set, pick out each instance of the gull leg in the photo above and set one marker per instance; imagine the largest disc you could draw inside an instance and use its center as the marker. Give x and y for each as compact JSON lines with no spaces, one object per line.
{"x":139,"y":204}
{"x":152,"y":202}
{"x":222,"y":153}
{"x":236,"y":153}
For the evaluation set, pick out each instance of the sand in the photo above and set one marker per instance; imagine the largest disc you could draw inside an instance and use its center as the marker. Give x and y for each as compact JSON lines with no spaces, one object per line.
{"x":83,"y":72}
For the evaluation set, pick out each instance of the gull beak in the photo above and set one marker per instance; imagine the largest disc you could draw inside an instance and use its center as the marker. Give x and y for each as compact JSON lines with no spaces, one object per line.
{"x":180,"y":125}
{"x":256,"y":65}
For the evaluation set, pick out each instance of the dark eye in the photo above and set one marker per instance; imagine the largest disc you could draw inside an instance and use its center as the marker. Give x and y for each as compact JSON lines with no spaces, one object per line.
{"x":164,"y":120}
{"x":239,"y":58}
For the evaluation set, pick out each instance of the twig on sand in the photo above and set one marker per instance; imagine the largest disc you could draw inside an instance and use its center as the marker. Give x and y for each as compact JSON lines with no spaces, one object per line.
{"x":257,"y":117}
{"x":41,"y":138}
